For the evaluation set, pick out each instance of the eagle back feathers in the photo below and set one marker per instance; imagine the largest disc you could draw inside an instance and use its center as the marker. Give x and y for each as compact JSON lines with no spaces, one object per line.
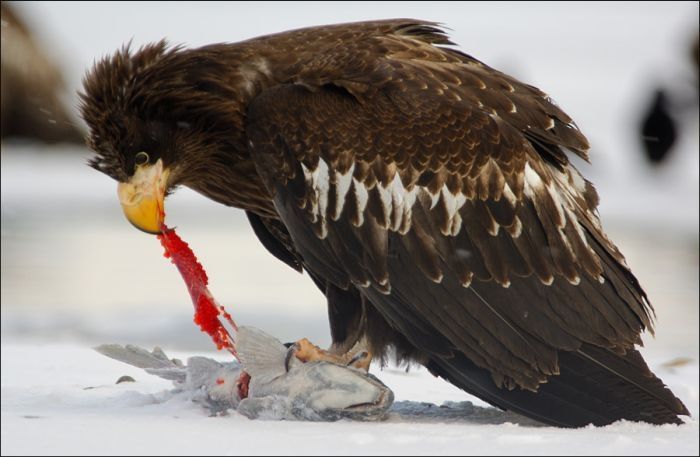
{"x":389,"y":147}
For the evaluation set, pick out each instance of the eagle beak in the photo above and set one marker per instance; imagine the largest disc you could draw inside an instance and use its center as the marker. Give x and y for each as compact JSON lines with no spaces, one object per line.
{"x":142,"y":197}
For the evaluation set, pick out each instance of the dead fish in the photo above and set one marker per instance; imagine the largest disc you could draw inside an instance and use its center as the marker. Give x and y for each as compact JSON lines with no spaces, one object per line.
{"x":314,"y":391}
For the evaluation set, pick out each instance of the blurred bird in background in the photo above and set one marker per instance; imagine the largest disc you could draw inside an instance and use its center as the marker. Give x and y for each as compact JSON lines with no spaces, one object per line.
{"x":32,"y":87}
{"x":670,"y":105}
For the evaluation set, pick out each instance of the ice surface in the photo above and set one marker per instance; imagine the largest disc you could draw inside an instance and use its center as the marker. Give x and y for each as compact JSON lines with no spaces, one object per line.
{"x":62,"y":399}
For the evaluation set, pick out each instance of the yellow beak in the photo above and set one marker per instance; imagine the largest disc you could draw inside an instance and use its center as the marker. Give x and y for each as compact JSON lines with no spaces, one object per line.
{"x":142,"y":197}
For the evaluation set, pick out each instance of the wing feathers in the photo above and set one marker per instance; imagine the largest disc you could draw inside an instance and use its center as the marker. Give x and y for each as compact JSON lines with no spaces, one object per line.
{"x":458,"y":217}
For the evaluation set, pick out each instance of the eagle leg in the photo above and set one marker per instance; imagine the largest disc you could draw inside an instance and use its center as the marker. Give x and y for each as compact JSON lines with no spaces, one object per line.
{"x":306,"y":351}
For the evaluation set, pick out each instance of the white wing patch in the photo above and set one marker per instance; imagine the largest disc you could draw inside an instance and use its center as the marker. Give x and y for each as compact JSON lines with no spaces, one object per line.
{"x":452,"y":204}
{"x":361,"y":198}
{"x":317,"y":182}
{"x":400,"y":207}
{"x":533,"y":182}
{"x":342,"y":183}
{"x":558,"y":196}
{"x":565,"y":191}
{"x":385,"y":195}
{"x":323,"y":184}
{"x":322,"y":181}
{"x":395,"y":201}
{"x":516,"y":229}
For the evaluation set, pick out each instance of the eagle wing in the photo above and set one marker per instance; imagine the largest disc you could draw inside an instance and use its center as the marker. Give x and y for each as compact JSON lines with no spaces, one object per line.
{"x":440,"y":189}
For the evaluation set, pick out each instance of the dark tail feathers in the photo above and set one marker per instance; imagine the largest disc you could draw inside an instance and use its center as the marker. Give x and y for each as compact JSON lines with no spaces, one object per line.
{"x":595,"y":386}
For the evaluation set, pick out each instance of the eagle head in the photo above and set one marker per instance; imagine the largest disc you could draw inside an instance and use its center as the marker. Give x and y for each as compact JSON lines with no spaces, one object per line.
{"x":163,"y":116}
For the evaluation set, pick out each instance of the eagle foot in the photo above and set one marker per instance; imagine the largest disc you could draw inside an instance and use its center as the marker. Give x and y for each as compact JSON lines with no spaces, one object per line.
{"x":306,"y":351}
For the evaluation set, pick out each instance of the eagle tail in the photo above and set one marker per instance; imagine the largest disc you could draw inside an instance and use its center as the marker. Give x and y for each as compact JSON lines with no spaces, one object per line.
{"x":595,"y":386}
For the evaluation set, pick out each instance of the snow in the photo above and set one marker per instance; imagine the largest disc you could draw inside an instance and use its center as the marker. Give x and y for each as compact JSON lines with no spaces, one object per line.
{"x":75,"y":274}
{"x":62,"y":398}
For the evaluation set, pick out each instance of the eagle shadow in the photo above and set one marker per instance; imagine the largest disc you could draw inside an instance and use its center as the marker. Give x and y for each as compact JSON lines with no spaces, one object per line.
{"x":455,"y":412}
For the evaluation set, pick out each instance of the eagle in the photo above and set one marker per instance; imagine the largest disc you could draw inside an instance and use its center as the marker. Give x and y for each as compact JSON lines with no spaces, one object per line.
{"x":430,"y":197}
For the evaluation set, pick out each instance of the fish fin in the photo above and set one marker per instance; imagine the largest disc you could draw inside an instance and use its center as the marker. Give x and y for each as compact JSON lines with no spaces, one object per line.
{"x":136,"y":356}
{"x":261,"y":354}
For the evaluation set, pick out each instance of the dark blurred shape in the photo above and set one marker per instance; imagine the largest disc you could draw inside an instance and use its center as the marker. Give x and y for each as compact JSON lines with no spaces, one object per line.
{"x":670,"y":105}
{"x":659,"y":130}
{"x":31,"y":88}
{"x":696,"y":54}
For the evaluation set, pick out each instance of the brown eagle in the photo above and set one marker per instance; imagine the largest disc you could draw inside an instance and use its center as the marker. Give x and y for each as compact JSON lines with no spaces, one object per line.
{"x":428,"y":196}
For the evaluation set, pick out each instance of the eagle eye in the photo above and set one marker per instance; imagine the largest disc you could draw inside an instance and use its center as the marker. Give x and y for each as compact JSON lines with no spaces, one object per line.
{"x":141,"y":158}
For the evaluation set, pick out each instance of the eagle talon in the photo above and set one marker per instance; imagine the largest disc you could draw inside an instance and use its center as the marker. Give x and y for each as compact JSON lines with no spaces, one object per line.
{"x":360,"y":356}
{"x":361,"y":360}
{"x":306,"y":351}
{"x":292,"y":349}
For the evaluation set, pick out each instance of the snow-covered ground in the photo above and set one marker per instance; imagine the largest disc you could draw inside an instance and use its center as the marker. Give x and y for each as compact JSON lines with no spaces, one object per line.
{"x":75,"y":274}
{"x":62,"y":399}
